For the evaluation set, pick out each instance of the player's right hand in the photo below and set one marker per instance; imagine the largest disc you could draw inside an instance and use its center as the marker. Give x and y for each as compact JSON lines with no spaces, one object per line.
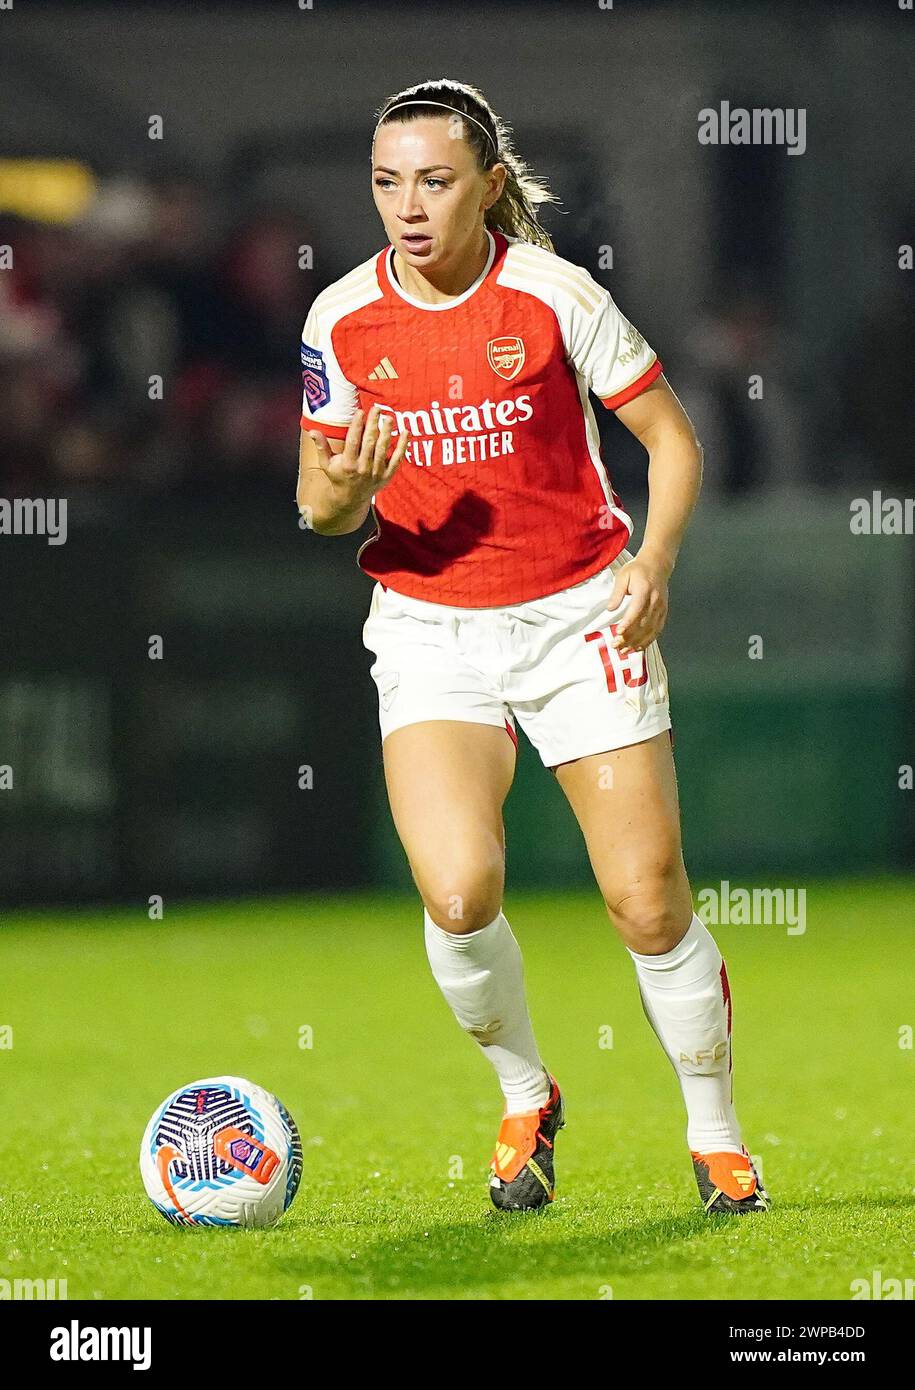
{"x":362,"y":466}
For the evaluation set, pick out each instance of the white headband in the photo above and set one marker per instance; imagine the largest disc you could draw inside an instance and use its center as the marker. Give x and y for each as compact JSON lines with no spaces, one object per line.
{"x":445,"y":107}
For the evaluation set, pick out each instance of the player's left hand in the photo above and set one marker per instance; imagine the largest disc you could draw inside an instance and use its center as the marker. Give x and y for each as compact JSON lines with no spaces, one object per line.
{"x":644,"y":581}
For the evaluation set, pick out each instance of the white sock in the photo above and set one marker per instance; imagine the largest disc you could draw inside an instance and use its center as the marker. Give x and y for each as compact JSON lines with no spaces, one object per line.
{"x":687,"y":1001}
{"x":481,"y":976}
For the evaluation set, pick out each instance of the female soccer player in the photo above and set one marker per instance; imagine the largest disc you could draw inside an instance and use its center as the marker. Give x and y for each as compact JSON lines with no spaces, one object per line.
{"x":504,"y":592}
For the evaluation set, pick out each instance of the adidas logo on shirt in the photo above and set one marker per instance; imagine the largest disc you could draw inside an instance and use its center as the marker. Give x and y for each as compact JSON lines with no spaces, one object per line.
{"x":383,"y":372}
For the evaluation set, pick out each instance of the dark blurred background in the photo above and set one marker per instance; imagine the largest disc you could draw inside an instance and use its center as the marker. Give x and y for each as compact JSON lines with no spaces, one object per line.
{"x":189,"y":261}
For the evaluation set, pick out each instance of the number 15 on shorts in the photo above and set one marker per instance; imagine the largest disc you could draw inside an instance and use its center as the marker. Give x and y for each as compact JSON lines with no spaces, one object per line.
{"x":632,"y":670}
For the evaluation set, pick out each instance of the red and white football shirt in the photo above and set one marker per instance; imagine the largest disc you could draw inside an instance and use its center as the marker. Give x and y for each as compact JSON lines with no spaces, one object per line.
{"x":503,"y":495}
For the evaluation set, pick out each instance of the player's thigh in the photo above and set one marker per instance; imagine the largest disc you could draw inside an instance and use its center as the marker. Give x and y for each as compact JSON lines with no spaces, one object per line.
{"x":447,"y":781}
{"x":627,"y":806}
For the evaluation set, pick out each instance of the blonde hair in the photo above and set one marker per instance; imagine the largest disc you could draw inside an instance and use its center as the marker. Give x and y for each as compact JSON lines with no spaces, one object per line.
{"x":515,"y":211}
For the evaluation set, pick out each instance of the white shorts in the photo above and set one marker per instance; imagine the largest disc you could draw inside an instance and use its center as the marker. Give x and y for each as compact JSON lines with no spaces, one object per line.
{"x":547,"y":663}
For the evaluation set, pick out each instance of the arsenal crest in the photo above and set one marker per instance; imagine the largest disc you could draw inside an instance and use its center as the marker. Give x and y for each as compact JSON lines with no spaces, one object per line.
{"x":505,"y":356}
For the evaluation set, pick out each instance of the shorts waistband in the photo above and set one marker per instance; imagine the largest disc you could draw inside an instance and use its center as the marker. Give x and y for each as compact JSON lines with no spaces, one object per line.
{"x":444,"y":609}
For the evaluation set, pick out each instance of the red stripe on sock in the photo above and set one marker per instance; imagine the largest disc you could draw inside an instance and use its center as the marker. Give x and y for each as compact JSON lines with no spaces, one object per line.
{"x":726,"y":997}
{"x":726,"y":992}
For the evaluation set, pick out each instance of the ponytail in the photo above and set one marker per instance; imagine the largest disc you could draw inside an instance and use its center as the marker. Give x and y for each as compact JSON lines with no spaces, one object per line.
{"x":515,"y":211}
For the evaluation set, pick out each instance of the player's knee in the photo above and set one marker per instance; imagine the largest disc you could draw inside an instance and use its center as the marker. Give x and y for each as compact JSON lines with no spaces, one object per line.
{"x":652,"y":917}
{"x":465,"y":902}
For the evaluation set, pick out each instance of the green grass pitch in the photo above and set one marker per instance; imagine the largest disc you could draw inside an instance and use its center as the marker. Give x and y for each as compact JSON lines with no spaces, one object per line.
{"x":398,"y":1110}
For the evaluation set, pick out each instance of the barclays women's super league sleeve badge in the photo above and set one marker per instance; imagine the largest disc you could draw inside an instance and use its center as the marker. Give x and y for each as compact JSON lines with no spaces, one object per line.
{"x":314,"y":377}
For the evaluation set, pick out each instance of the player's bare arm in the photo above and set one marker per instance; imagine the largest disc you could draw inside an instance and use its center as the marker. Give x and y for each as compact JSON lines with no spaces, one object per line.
{"x":659,"y":422}
{"x":338,"y":478}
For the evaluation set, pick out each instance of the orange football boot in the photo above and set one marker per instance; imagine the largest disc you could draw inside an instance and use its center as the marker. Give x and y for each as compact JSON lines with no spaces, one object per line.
{"x":522,"y":1165}
{"x":728,"y":1182}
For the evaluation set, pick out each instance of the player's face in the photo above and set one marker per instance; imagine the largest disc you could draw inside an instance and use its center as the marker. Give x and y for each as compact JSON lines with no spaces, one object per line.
{"x":429,"y":192}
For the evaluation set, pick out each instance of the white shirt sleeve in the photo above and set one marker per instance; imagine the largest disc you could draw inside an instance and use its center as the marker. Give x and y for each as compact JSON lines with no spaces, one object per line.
{"x":329,"y":401}
{"x":607,"y":351}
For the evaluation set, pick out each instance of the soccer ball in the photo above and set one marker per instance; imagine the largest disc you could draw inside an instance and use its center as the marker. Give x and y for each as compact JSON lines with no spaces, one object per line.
{"x":221,"y":1152}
